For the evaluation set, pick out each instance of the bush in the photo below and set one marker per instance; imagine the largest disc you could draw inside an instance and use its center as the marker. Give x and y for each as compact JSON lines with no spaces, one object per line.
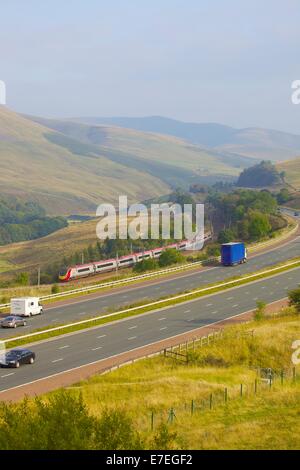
{"x":294,"y":298}
{"x":213,"y":251}
{"x":145,"y":265}
{"x":259,"y":313}
{"x":115,"y":431}
{"x":170,"y":256}
{"x":22,"y":279}
{"x":54,"y":289}
{"x":63,"y":422}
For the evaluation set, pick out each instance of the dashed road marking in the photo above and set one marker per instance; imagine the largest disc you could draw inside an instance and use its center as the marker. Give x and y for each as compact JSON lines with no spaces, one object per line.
{"x":7,"y":375}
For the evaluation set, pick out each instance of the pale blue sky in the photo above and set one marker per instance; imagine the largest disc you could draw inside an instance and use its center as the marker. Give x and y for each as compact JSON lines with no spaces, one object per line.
{"x":227,"y":61}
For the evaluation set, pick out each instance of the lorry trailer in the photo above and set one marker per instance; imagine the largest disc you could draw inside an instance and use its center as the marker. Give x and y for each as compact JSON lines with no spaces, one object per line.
{"x":233,"y":253}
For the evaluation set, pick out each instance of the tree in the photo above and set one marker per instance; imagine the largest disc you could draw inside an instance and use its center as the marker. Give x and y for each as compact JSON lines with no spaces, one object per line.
{"x":259,"y":225}
{"x":283,"y":196}
{"x":226,"y":236}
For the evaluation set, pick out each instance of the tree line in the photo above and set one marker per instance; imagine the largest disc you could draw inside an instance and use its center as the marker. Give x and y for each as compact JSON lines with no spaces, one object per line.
{"x":20,"y":221}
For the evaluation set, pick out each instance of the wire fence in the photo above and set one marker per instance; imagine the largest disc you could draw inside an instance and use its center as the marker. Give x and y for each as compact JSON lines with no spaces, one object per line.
{"x":221,"y":397}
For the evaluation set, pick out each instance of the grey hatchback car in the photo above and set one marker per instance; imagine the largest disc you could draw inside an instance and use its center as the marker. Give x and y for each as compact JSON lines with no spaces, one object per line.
{"x":12,"y":322}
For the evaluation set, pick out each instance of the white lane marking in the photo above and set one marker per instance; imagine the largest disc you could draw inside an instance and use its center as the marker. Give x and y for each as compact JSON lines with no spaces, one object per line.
{"x":190,"y":319}
{"x":102,"y":336}
{"x":162,"y":318}
{"x":230,"y":298}
{"x":208,"y":305}
{"x":216,"y":311}
{"x":81,"y":313}
{"x":55,"y":319}
{"x":163,"y":328}
{"x":132,"y":327}
{"x":186,"y":311}
{"x":57,"y":360}
{"x":236,"y":305}
{"x":64,"y":347}
{"x":132,"y":337}
{"x":96,"y":349}
{"x":7,"y":375}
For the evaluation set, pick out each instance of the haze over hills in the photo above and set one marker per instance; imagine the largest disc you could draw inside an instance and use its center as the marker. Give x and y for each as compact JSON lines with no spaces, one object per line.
{"x":249,"y":142}
{"x":36,"y":163}
{"x":70,"y":168}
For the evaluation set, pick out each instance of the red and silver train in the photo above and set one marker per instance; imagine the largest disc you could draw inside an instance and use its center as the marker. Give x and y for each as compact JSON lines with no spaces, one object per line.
{"x":127,"y":261}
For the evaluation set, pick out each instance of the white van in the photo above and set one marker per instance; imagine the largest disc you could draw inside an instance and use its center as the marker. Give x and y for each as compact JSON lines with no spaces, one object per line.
{"x":26,"y":306}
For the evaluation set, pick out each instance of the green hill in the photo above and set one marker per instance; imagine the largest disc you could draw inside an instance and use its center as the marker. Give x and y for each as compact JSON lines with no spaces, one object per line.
{"x":65,"y":177}
{"x":257,"y":143}
{"x":70,"y":168}
{"x":292,"y":172}
{"x":261,"y":175}
{"x":169,"y":158}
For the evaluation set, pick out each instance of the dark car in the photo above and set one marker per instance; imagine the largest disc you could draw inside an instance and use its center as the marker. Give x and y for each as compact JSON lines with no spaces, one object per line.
{"x":12,"y":322}
{"x":16,"y":357}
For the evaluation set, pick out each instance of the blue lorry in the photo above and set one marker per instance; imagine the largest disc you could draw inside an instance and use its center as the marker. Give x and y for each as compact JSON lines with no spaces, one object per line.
{"x":233,"y":253}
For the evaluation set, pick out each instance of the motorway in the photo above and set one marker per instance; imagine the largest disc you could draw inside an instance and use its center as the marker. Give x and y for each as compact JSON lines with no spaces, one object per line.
{"x":88,"y":346}
{"x":81,"y":308}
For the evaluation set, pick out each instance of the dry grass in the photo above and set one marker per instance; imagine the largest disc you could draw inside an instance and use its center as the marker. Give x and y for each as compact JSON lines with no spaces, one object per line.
{"x":268,"y":420}
{"x":292,"y":169}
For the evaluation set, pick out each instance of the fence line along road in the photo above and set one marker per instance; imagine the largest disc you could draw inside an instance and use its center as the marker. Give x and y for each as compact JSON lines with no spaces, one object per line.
{"x":156,"y":303}
{"x":152,"y":274}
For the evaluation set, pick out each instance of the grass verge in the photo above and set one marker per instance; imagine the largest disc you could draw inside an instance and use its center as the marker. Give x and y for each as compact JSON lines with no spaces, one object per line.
{"x":151,"y":388}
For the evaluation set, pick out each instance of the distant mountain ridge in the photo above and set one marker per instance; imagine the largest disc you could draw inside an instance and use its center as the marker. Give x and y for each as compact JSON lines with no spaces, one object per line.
{"x":70,"y":168}
{"x":250,"y":142}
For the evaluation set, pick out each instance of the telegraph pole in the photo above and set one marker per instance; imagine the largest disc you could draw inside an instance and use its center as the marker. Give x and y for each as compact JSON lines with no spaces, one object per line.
{"x":39,"y":277}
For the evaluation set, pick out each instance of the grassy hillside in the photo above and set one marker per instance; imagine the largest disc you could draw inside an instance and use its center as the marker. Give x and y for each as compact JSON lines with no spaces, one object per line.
{"x":268,"y":420}
{"x":169,"y":158}
{"x":30,"y":254}
{"x":178,"y":397}
{"x":292,"y":172}
{"x":35,"y":165}
{"x":262,"y":144}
